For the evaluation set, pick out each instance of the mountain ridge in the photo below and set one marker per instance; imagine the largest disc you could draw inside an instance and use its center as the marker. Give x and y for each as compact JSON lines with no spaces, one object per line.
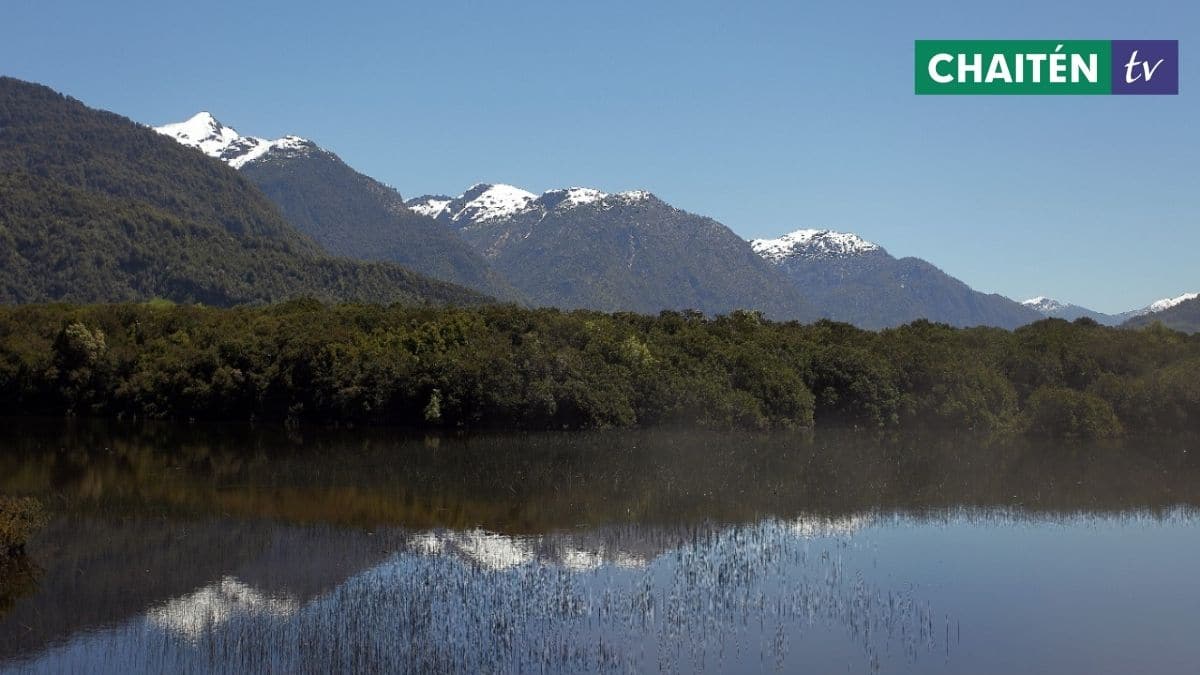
{"x":1182,"y":316}
{"x":848,"y":278}
{"x":626,"y":251}
{"x":348,"y":213}
{"x":97,"y":208}
{"x":1064,"y":310}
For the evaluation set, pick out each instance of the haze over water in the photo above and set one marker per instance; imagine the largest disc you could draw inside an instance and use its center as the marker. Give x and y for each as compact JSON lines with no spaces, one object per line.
{"x":197,"y":550}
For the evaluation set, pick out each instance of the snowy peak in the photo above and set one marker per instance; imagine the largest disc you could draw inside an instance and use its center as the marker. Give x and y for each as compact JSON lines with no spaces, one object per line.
{"x":487,"y":202}
{"x":1044,"y":305}
{"x":214,"y":139}
{"x":203,"y":131}
{"x":569,"y":197}
{"x":1167,"y":303}
{"x":1159,"y":305}
{"x":429,"y":205}
{"x":812,"y":244}
{"x":1065,"y":310}
{"x":484,"y":202}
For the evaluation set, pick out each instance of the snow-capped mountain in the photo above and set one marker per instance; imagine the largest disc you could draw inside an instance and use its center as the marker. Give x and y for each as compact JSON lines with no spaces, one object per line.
{"x":203,"y":131}
{"x":1065,"y":310}
{"x":583,"y":247}
{"x":1180,"y":313}
{"x":1164,"y":304}
{"x":488,"y":202}
{"x":346,"y":212}
{"x":854,"y":280}
{"x":1045,"y":305}
{"x":480,"y":203}
{"x":1057,"y":309}
{"x":812,"y":244}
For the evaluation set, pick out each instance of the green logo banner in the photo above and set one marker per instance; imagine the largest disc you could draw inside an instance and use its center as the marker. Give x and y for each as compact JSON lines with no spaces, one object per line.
{"x":1013,"y":67}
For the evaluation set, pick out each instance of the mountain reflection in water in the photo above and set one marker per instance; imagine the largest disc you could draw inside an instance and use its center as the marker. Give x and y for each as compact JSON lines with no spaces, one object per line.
{"x":231,"y":551}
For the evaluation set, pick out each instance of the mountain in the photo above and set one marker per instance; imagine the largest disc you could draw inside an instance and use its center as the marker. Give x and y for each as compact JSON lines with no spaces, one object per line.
{"x":580,"y":247}
{"x":850,"y":279}
{"x":346,"y":212}
{"x":1161,"y":305}
{"x":96,"y":208}
{"x":1181,"y":313}
{"x":214,"y":139}
{"x":1064,"y":310}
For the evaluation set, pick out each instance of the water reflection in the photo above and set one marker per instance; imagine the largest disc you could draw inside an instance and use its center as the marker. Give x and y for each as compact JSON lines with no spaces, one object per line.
{"x":182,"y":551}
{"x":485,"y":602}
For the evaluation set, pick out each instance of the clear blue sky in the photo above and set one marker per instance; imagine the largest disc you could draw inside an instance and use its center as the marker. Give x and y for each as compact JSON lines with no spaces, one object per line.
{"x":766,"y":116}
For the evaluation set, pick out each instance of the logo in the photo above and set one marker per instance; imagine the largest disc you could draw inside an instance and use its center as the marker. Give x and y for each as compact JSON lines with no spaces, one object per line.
{"x":1047,"y":66}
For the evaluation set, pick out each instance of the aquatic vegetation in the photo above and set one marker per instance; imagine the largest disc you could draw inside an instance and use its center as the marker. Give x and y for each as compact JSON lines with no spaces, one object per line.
{"x":20,"y":517}
{"x":712,"y":598}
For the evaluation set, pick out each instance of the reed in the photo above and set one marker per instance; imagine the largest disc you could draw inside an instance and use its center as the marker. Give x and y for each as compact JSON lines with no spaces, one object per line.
{"x":20,"y":518}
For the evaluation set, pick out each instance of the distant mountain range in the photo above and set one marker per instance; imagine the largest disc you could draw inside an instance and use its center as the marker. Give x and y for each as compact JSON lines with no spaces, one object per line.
{"x":581,"y":247}
{"x":96,"y":208}
{"x":347,"y":213}
{"x":1183,"y":315}
{"x":1049,"y":307}
{"x":850,"y":279}
{"x":1064,"y":310}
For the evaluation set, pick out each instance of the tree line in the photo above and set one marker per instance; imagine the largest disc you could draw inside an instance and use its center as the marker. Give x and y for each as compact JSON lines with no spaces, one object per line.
{"x":504,"y":366}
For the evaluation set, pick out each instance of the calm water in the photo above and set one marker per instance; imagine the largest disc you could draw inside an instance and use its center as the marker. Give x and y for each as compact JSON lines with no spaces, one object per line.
{"x":227,"y":550}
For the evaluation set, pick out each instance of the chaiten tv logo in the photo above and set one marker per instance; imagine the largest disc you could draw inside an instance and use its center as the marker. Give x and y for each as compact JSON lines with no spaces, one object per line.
{"x":1047,"y":66}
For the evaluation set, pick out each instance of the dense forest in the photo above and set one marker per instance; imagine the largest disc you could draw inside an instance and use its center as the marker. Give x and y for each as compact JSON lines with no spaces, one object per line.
{"x":511,"y":367}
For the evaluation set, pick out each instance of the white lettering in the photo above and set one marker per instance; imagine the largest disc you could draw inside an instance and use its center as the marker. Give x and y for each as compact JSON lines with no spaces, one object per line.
{"x":933,"y":68}
{"x":1080,"y":69}
{"x":998,"y":70}
{"x":1058,"y":66}
{"x":975,"y":67}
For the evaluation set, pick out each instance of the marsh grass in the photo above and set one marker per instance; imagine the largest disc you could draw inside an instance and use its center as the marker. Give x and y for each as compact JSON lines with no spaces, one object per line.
{"x":20,"y":518}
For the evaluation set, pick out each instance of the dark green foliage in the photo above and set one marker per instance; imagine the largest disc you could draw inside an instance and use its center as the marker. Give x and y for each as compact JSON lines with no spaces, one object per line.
{"x":1065,"y":413}
{"x":358,"y":217}
{"x":509,"y":367}
{"x":1183,"y":317}
{"x":95,"y":208}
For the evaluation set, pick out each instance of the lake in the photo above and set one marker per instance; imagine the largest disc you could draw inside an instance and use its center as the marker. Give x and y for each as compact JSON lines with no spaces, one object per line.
{"x":213,"y":549}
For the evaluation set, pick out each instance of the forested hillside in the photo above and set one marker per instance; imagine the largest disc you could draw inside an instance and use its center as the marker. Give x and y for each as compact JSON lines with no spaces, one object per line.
{"x":355,"y":216}
{"x":94,"y":207}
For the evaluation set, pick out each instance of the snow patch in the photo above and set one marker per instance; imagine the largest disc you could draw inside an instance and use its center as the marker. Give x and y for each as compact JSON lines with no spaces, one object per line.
{"x":631,"y":196}
{"x":483,"y":202}
{"x":1044,"y":305}
{"x":576,"y":196}
{"x":214,"y":139}
{"x":812,"y":244}
{"x":1168,"y":303}
{"x":432,"y":206}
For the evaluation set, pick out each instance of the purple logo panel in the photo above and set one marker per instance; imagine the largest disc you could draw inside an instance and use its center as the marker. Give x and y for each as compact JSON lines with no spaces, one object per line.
{"x":1145,"y":66}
